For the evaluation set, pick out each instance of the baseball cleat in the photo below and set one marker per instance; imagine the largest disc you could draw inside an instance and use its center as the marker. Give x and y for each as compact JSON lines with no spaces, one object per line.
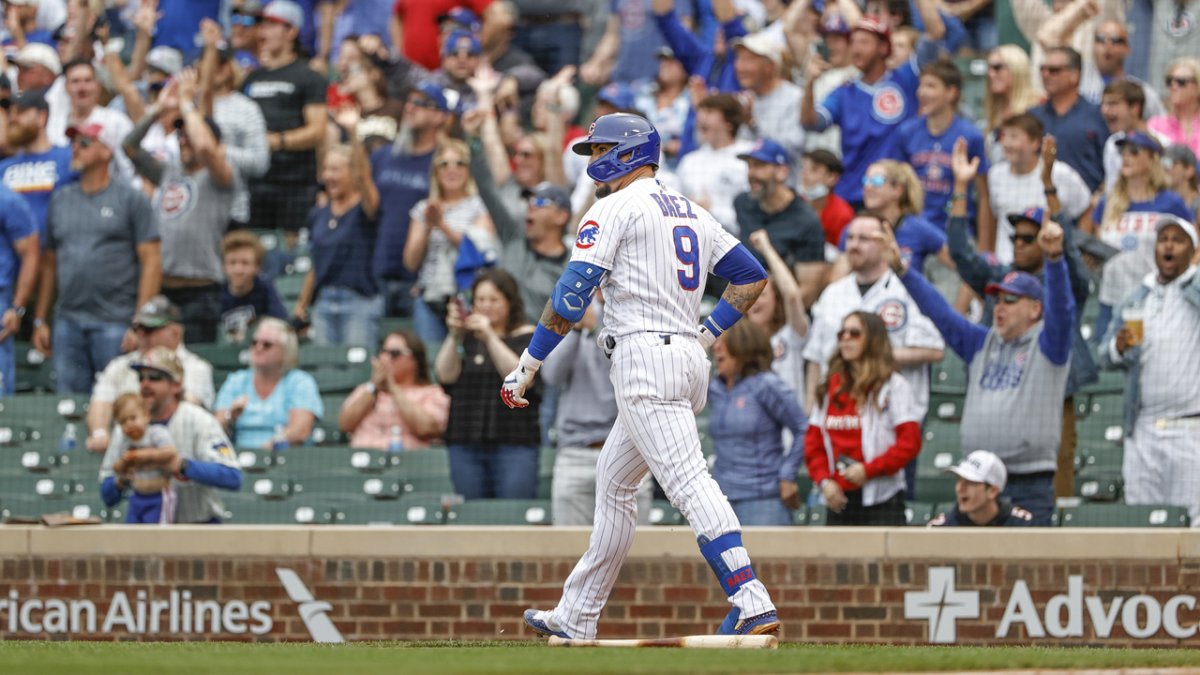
{"x":543,"y":624}
{"x":767,"y":622}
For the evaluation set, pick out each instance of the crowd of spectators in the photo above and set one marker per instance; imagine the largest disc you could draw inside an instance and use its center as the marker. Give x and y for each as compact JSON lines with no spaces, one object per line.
{"x":417,"y":153}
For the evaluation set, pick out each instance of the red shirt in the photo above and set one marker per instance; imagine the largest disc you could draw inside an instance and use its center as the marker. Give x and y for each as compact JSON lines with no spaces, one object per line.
{"x":834,"y":217}
{"x":421,"y":34}
{"x":843,"y":423}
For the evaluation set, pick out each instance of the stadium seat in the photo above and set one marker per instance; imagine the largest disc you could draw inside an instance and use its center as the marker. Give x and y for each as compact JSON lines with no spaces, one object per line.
{"x":257,"y":460}
{"x":334,"y":483}
{"x":368,"y":460}
{"x":546,"y":471}
{"x":274,"y":488}
{"x":1098,"y":430}
{"x":428,"y":469}
{"x":1110,"y":382}
{"x":247,"y":508}
{"x":949,"y":375}
{"x":946,"y":406}
{"x":940,"y":447}
{"x":919,"y":514}
{"x":337,"y":369}
{"x":500,"y":512}
{"x":815,"y":515}
{"x":385,"y":487}
{"x":1099,"y":456}
{"x":1099,"y":485}
{"x":1123,"y":515}
{"x":422,"y":509}
{"x":34,"y":372}
{"x":935,"y":488}
{"x":289,"y":287}
{"x":662,"y":513}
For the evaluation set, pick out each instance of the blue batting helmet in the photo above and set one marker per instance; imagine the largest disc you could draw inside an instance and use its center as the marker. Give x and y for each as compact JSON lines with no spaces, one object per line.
{"x":632,"y":135}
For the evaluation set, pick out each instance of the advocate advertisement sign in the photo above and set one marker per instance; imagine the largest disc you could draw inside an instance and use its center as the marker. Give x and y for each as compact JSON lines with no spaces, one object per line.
{"x":1064,"y":615}
{"x":156,"y":615}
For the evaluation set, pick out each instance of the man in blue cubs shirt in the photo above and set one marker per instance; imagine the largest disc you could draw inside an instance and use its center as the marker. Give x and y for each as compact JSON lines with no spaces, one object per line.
{"x":871,"y":107}
{"x":977,"y":500}
{"x":927,"y":142}
{"x":19,"y":253}
{"x":38,"y":167}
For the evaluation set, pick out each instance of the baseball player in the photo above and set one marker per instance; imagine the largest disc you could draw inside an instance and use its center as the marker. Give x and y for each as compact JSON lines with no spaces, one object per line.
{"x":650,"y":250}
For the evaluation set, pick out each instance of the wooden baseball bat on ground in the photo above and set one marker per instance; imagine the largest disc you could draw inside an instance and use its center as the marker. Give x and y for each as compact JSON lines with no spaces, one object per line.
{"x":688,"y":642}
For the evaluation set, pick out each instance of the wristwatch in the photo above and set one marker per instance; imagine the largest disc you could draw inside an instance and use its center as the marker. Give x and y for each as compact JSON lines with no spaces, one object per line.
{"x":20,"y":311}
{"x":372,"y":389}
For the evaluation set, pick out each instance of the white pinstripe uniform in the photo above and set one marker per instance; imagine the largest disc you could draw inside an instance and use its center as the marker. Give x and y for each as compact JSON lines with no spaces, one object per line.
{"x":659,"y":249}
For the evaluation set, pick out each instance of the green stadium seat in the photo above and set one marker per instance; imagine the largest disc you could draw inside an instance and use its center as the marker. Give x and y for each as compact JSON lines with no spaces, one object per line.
{"x":1123,"y":515}
{"x":427,"y":470}
{"x":1099,"y":456}
{"x":34,"y":372}
{"x":946,"y":406}
{"x":247,"y":508}
{"x":500,"y":512}
{"x":1100,"y":430}
{"x":546,"y":471}
{"x":257,"y":460}
{"x":919,"y":514}
{"x":949,"y":375}
{"x":662,"y":513}
{"x":337,"y":369}
{"x":940,"y":447}
{"x":1099,"y":485}
{"x":815,"y":515}
{"x":420,"y":509}
{"x":385,"y":487}
{"x":935,"y":488}
{"x":333,"y":484}
{"x":1106,"y":406}
{"x":369,"y":460}
{"x":1111,"y":382}
{"x":289,"y":287}
{"x":274,"y":487}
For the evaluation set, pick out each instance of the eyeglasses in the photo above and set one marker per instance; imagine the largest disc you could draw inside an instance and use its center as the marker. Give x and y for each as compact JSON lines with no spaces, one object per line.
{"x":265,"y":344}
{"x":524,"y":154}
{"x":997,"y":67}
{"x":1179,"y":81}
{"x":541,"y":202}
{"x":451,"y":162}
{"x":1110,"y":40}
{"x":1023,"y":238}
{"x":849,"y":333}
{"x":1052,"y":70}
{"x":246,"y":20}
{"x":1009,"y":298}
{"x":145,"y":330}
{"x":1133,"y":150}
{"x":420,"y":102}
{"x":83,"y":141}
{"x":878,"y":180}
{"x":396,"y":353}
{"x":152,"y":376}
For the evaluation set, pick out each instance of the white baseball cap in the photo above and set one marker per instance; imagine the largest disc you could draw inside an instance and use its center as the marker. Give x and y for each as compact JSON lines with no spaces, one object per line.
{"x":1188,"y":228}
{"x":285,"y":12}
{"x":981,"y":466}
{"x":165,"y":59}
{"x":760,"y":44}
{"x":38,"y":54}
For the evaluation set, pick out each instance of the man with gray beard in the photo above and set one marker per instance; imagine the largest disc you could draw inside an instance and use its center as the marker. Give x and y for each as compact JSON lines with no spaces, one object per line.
{"x":401,"y":173}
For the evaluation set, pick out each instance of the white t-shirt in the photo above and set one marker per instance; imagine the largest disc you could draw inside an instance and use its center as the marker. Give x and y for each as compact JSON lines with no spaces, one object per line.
{"x":907,"y":326}
{"x":1011,"y":193}
{"x":658,"y":248}
{"x":715,"y":176}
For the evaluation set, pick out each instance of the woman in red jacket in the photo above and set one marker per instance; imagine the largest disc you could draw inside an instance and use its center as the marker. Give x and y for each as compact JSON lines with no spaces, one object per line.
{"x":864,"y":430}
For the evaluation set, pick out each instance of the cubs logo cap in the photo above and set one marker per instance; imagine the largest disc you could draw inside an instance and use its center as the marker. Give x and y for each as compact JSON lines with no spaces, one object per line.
{"x":767,"y":150}
{"x":1139,"y":140}
{"x":1023,"y":284}
{"x":618,"y":95}
{"x":462,"y":40}
{"x":463,"y":17}
{"x":1033,"y":214}
{"x":833,"y":24}
{"x":547,"y":190}
{"x":981,"y":466}
{"x":877,"y":27}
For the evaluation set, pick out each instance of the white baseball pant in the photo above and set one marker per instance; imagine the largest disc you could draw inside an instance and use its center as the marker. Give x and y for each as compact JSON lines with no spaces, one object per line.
{"x":660,"y":388}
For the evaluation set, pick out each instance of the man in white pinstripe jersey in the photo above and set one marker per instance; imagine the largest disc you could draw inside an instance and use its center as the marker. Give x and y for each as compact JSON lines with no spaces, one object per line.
{"x":650,"y":249}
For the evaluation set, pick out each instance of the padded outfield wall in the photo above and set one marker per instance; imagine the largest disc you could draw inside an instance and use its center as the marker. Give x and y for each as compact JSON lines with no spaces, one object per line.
{"x":1054,"y":586}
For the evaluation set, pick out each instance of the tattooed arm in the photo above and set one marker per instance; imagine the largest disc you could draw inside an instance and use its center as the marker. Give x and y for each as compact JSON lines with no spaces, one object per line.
{"x":552,"y":321}
{"x":747,"y":279}
{"x":743,"y":296}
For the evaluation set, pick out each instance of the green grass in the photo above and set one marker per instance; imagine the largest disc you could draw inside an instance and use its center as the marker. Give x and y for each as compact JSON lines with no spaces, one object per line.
{"x":528,"y":658}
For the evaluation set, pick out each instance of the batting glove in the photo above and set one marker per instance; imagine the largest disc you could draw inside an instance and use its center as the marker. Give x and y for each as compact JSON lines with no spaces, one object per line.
{"x":512,"y":392}
{"x":705,"y":337}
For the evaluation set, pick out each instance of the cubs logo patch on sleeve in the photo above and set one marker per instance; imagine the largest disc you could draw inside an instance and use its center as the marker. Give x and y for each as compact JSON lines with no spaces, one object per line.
{"x":588,"y":232}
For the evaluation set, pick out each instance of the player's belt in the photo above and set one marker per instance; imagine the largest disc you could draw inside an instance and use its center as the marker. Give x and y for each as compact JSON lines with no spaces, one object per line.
{"x":610,"y":342}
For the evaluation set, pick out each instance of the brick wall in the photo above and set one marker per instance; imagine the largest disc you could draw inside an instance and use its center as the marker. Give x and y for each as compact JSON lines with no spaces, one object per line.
{"x":664,"y":589}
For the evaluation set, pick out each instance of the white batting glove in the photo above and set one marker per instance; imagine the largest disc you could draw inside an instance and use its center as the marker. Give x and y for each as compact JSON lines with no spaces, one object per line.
{"x":705,"y":337}
{"x":512,"y":392}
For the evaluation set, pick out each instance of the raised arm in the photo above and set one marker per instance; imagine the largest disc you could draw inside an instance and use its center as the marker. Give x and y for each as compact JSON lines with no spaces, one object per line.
{"x":1058,"y":304}
{"x":208,"y":149}
{"x":781,"y":276}
{"x":145,"y":163}
{"x":348,"y":118}
{"x":506,"y":226}
{"x":972,"y":268}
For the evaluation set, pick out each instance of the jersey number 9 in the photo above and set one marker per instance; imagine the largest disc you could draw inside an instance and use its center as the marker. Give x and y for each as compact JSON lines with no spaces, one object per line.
{"x":687,"y":251}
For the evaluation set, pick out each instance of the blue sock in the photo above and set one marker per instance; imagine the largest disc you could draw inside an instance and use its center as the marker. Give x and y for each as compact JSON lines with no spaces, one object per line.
{"x":731,"y":580}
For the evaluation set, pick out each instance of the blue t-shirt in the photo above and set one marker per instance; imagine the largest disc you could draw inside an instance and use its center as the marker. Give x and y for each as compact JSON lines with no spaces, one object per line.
{"x":640,"y":38}
{"x":917,"y":238}
{"x":342,"y":247}
{"x":16,"y":223}
{"x":238,"y":312}
{"x":180,"y":22}
{"x":403,"y":180}
{"x":1081,"y":134}
{"x":930,"y":156}
{"x":868,"y":115}
{"x":256,"y":425}
{"x":35,"y":176}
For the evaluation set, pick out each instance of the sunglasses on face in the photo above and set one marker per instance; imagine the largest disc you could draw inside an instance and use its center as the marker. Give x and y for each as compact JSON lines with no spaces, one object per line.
{"x":875,"y":181}
{"x":451,"y":162}
{"x":265,"y":344}
{"x":145,"y":330}
{"x":997,"y":67}
{"x":418,"y":102}
{"x":152,"y":376}
{"x":396,"y":353}
{"x":83,"y":141}
{"x":245,"y":20}
{"x":1009,"y":298}
{"x":1179,"y":81}
{"x":1110,"y":40}
{"x":849,"y":334}
{"x":1023,"y":238}
{"x":1131,"y":150}
{"x":541,"y":202}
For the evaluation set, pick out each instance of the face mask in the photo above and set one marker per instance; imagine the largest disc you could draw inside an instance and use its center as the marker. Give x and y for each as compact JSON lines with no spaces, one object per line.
{"x":815,"y":192}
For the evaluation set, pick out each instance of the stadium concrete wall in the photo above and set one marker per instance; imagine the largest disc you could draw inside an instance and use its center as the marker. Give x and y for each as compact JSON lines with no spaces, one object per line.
{"x":1082,"y":587}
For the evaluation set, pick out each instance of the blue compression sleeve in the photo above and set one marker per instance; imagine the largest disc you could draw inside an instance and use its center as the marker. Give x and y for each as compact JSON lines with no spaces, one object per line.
{"x":543,"y":342}
{"x":722,"y":318}
{"x":214,"y":474}
{"x":739,"y":266}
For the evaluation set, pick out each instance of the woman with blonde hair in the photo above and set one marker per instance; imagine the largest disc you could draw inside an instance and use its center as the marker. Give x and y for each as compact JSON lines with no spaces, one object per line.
{"x":1181,"y":124}
{"x":865,"y":428}
{"x":1010,"y":91}
{"x":1128,"y":214}
{"x":452,"y":211}
{"x":892,"y":190}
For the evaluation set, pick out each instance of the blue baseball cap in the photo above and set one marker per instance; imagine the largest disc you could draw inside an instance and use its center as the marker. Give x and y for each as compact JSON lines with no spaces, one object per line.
{"x":1139,"y":140}
{"x":1023,"y":284}
{"x":459,"y":40}
{"x":1033,"y":214}
{"x":833,"y":24}
{"x":463,"y":17}
{"x":437,"y":95}
{"x":767,"y":150}
{"x":617,"y":94}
